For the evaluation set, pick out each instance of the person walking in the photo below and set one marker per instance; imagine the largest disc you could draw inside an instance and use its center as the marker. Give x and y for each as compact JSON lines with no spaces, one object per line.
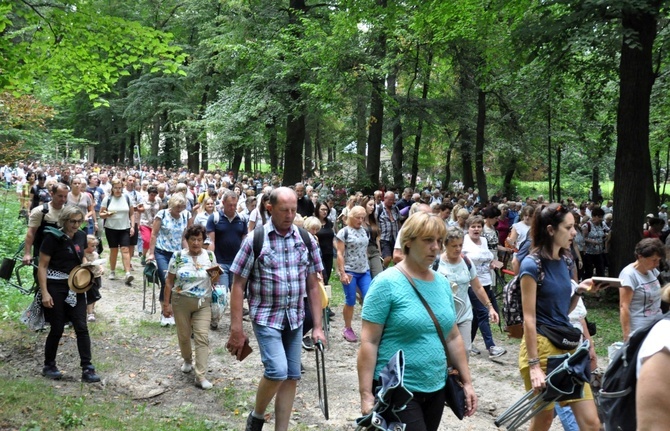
{"x":286,"y":269}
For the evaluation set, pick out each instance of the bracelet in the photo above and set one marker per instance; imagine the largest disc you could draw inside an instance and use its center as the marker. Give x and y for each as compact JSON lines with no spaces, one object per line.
{"x":578,"y":294}
{"x":488,"y":304}
{"x":533,"y":361}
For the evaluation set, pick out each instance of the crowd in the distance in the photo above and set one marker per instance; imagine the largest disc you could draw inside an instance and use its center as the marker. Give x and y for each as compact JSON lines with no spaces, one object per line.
{"x":447,"y":250}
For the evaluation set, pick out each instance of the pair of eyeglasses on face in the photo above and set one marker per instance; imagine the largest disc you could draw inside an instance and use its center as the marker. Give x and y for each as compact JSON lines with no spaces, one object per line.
{"x":77,"y":221}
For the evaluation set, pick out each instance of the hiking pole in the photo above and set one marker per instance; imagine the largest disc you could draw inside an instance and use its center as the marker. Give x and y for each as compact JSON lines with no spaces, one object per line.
{"x":321,"y":378}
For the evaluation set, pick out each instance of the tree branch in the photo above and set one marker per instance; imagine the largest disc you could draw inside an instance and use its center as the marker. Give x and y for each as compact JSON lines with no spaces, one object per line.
{"x":35,"y":8}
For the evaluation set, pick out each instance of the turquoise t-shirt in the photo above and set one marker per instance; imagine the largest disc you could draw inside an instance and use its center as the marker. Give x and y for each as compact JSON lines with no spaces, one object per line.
{"x":393,"y":303}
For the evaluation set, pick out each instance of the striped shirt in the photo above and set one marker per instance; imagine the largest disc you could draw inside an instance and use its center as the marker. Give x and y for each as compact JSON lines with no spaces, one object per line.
{"x":277,"y":284}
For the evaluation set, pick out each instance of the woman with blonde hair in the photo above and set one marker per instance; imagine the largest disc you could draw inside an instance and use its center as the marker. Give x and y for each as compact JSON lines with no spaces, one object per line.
{"x":167,"y":238}
{"x":394,"y":318}
{"x":353,"y":265}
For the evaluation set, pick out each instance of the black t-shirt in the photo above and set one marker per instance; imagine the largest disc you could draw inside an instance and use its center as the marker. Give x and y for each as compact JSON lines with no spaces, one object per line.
{"x":62,"y":251}
{"x":305,"y":207}
{"x":326,"y":235}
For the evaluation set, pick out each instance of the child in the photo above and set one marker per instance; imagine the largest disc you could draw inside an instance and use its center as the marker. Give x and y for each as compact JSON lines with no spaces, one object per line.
{"x":93,"y":295}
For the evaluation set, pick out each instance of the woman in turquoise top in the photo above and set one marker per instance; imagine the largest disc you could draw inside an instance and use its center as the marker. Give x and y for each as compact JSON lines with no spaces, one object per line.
{"x":394,"y":318}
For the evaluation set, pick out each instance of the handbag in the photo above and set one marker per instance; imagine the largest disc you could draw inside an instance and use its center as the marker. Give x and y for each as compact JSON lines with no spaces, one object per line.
{"x":454,"y":394}
{"x":562,"y":337}
{"x":33,"y":316}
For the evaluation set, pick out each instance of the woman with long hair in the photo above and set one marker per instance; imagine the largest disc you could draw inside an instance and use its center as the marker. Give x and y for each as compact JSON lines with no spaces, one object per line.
{"x":546,"y":309}
{"x":326,"y":236}
{"x":260,"y":215}
{"x":370,"y":225}
{"x":118,"y":214}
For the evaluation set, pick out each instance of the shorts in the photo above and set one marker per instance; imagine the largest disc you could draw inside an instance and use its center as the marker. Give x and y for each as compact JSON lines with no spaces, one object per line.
{"x":545,"y":349}
{"x":135,"y":236}
{"x":117,"y":238}
{"x":280,"y":351}
{"x":387,"y":248}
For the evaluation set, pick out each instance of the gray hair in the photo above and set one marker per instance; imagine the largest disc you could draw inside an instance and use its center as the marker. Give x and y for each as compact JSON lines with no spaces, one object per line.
{"x":67,"y":213}
{"x":229,"y":194}
{"x":453,"y":233}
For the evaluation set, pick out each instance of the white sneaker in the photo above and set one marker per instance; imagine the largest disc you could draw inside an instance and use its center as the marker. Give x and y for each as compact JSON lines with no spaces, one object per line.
{"x":171,"y":321}
{"x":129,"y":278}
{"x":112,"y":275}
{"x":204,"y":384}
{"x":165,"y":321}
{"x":186,"y":367}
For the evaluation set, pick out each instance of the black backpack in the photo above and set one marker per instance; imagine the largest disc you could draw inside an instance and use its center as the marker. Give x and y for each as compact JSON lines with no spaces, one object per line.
{"x":39,"y":233}
{"x":617,"y":394}
{"x":512,"y":311}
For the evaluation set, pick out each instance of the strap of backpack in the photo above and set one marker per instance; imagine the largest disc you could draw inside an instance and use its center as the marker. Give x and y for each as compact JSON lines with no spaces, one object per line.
{"x":307,"y":241}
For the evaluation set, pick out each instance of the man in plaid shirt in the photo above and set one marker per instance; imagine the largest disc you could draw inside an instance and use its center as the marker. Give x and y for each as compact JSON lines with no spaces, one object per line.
{"x":278,"y":280}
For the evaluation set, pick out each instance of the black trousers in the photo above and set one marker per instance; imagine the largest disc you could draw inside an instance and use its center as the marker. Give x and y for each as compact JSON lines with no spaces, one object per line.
{"x":593,"y":262}
{"x":423,"y":412}
{"x":58,"y":316}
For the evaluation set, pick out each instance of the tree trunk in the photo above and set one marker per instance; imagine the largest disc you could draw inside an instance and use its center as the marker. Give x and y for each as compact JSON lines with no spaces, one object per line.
{"x":309,"y":162}
{"x":361,"y":130}
{"x":247,"y":160}
{"x":507,"y":180}
{"x":237,"y":159}
{"x":271,"y":129}
{"x":155,"y":140}
{"x":295,"y":121}
{"x":295,"y":137}
{"x":632,"y":167}
{"x":549,"y":167}
{"x":396,"y":154}
{"x":595,"y":186}
{"x":376,"y":123}
{"x":479,"y":147}
{"x":557,"y":183}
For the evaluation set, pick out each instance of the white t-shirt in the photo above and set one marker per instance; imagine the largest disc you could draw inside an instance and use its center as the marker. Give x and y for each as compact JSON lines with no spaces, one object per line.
{"x":657,"y":340}
{"x":481,"y":258}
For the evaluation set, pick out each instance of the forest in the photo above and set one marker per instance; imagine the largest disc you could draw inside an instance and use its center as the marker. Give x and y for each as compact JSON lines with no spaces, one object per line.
{"x":366,"y":92}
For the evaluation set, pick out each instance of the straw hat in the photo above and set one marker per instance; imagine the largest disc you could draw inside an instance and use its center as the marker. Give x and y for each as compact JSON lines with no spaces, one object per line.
{"x":80,"y":279}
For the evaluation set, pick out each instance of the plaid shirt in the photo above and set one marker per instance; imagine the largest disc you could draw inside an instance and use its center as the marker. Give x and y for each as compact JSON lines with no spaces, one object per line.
{"x":389,"y":229}
{"x":277,"y":284}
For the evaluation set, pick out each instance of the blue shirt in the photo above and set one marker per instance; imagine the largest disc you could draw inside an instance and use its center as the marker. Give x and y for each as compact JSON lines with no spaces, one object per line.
{"x":553,"y":297}
{"x":393,"y":303}
{"x":228,"y":236}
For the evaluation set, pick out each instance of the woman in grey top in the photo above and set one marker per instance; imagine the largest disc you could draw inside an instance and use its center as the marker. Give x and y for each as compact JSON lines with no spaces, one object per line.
{"x":352,"y":264}
{"x":640,"y":293}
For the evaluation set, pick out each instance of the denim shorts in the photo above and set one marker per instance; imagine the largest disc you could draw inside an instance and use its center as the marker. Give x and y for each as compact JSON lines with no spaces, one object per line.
{"x":280,"y":351}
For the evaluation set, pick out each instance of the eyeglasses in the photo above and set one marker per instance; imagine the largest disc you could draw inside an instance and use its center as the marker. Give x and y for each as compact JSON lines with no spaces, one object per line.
{"x":78,"y":221}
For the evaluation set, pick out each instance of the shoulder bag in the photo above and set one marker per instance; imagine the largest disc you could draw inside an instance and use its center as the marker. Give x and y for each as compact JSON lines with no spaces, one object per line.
{"x":453,"y":387}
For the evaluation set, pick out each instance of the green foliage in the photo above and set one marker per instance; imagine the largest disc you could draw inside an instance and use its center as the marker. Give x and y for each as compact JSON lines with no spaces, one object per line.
{"x":72,"y":47}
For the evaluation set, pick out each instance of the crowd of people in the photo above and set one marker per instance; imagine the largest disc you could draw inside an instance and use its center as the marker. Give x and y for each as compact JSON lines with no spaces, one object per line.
{"x":402,"y":255}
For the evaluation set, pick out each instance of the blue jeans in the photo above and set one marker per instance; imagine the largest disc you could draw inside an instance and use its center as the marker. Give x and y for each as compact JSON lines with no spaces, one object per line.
{"x":227,"y":277}
{"x":480,"y":318}
{"x":280,"y":351}
{"x":358,"y":279}
{"x":567,"y":417}
{"x":162,"y":261}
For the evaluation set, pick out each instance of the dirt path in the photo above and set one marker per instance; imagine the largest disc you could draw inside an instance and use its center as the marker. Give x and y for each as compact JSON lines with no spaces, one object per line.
{"x":140,"y":360}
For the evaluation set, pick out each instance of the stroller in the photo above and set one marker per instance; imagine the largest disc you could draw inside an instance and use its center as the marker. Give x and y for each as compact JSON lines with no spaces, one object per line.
{"x":390,"y":397}
{"x":566,"y":375}
{"x":150,"y":281}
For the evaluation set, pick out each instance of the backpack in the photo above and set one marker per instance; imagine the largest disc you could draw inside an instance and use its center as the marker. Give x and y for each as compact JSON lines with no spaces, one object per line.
{"x":39,"y":234}
{"x":259,"y":238}
{"x":617,"y":394}
{"x":664,"y":235}
{"x":436,"y":262}
{"x":512,"y":311}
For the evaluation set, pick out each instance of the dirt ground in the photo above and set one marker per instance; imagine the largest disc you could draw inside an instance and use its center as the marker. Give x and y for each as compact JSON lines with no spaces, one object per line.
{"x":138,"y":360}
